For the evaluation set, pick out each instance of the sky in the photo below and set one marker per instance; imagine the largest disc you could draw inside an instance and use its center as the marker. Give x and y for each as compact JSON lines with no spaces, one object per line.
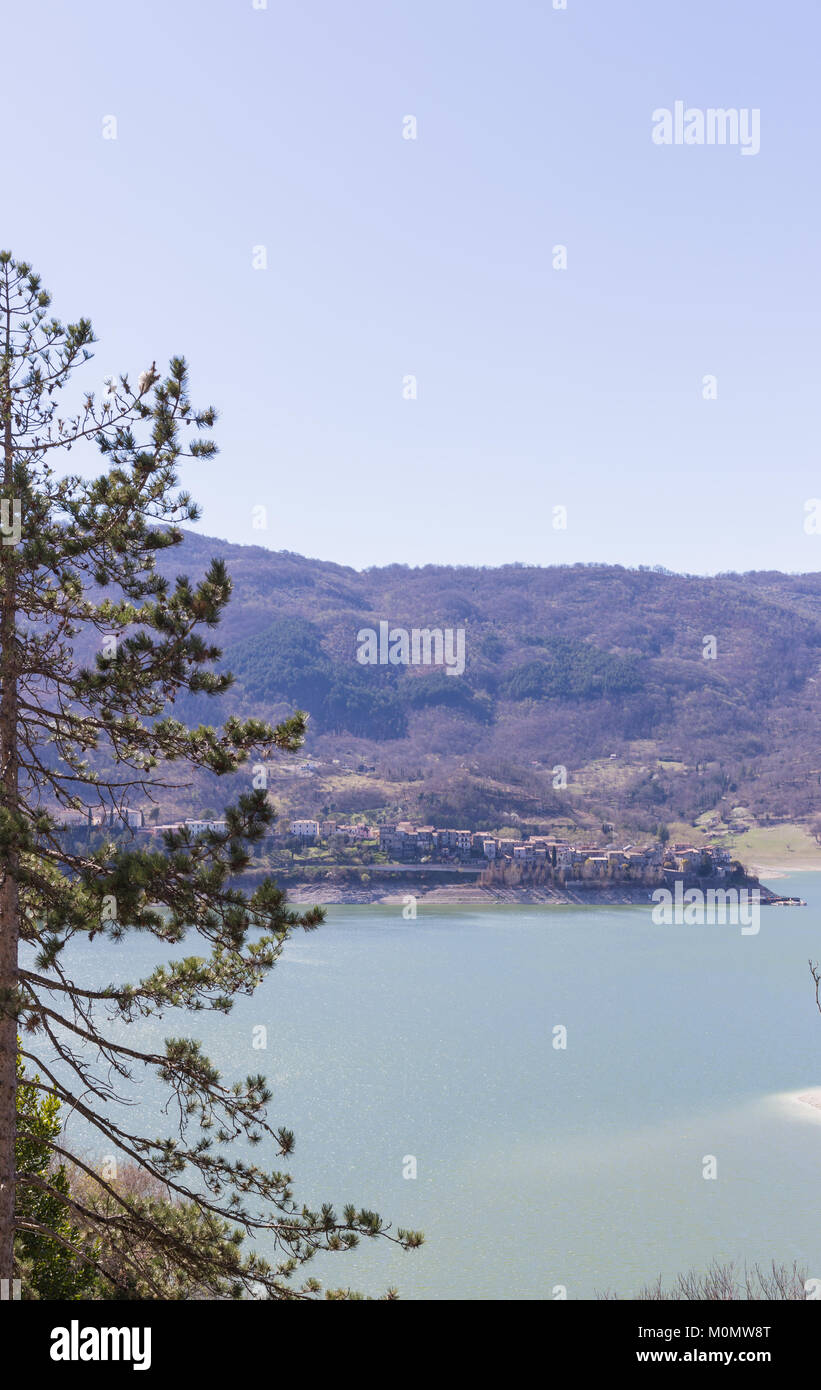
{"x":283,"y":127}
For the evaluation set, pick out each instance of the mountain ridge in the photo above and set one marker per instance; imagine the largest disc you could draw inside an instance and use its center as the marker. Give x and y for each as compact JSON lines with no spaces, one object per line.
{"x":597,"y":669}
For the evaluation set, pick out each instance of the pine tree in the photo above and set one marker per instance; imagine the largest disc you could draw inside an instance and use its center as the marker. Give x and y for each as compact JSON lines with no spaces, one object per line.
{"x":78,"y":561}
{"x":45,"y":1249}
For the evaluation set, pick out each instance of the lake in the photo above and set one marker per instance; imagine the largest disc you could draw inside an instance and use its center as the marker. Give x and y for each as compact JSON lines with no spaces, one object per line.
{"x":537,"y":1168}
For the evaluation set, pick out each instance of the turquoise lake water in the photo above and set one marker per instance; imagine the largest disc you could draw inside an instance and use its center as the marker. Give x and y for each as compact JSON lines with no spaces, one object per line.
{"x":536,"y":1167}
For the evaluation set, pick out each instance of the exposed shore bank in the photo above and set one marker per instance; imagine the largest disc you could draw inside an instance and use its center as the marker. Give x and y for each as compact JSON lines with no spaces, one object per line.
{"x":462,"y":888}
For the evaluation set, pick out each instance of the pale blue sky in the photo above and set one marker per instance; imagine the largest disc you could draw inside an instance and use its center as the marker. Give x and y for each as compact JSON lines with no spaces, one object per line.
{"x":387,"y":257}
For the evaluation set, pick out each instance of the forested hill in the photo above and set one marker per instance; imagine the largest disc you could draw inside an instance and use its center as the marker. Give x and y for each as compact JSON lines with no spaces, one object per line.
{"x":568,"y":665}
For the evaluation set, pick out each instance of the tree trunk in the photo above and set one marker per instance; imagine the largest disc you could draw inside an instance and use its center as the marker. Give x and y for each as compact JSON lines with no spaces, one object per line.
{"x":9,"y":869}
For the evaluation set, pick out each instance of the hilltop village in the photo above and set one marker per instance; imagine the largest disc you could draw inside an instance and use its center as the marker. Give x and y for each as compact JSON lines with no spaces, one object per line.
{"x":406,"y":843}
{"x":561,"y":860}
{"x":494,"y":858}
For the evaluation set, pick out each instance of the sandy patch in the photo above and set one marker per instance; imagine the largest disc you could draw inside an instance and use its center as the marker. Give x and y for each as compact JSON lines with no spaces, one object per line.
{"x":784,"y":869}
{"x":812,"y":1098}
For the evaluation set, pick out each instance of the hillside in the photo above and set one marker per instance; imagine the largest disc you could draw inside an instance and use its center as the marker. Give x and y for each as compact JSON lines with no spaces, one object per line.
{"x":596,"y":669}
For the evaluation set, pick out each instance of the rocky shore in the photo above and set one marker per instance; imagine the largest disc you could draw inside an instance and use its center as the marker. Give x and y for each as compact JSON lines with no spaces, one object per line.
{"x":394,"y":889}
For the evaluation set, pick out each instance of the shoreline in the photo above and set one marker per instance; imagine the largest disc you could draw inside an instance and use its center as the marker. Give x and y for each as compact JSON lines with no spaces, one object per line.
{"x":455,"y":895}
{"x":396,"y":893}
